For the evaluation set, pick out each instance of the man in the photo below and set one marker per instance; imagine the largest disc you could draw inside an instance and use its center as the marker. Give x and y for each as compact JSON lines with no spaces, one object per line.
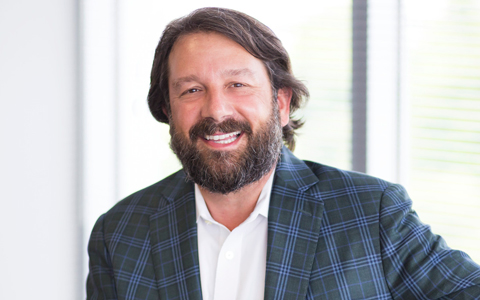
{"x":245,"y":219}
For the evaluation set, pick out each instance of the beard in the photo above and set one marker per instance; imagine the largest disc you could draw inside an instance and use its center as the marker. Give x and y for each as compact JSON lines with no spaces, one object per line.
{"x":228,"y":171}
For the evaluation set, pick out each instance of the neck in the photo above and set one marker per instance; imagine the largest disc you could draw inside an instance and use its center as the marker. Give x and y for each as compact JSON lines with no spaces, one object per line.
{"x":233,"y":209}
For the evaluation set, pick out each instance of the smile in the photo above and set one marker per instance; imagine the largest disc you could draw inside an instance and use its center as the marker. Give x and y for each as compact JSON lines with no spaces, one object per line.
{"x":226,"y":138}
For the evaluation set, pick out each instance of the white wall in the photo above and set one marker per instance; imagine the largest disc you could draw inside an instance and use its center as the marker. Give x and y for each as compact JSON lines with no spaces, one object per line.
{"x":39,"y":238}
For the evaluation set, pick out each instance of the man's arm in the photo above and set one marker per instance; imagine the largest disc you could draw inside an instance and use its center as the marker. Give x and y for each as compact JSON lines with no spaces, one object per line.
{"x":100,"y":281}
{"x":417,"y":263}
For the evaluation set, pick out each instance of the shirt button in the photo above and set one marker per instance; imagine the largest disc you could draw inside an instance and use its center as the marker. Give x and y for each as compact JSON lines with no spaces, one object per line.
{"x":229,"y":255}
{"x":208,"y":222}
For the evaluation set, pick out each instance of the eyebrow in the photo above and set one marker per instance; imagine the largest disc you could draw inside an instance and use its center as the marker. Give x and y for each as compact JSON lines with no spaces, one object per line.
{"x":185,"y":79}
{"x":236,"y":72}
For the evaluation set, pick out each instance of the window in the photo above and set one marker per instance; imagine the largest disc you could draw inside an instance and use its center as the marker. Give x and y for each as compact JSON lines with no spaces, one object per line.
{"x":442,"y":92}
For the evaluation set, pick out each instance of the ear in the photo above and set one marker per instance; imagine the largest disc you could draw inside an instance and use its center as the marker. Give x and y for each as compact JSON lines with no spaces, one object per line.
{"x":284,"y":97}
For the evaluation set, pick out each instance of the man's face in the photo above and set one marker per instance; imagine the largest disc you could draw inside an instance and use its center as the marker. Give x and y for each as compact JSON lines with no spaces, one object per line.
{"x":225,"y":125}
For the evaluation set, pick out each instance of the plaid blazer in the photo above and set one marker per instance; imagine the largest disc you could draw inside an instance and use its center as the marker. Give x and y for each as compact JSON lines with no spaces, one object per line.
{"x":332,"y":234}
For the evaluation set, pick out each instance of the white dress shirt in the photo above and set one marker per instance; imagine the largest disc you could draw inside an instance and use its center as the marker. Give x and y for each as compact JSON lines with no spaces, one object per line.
{"x":233,"y":263}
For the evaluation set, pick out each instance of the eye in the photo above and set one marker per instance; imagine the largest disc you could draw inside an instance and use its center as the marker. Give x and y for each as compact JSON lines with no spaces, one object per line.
{"x":237,"y":85}
{"x":191,"y":91}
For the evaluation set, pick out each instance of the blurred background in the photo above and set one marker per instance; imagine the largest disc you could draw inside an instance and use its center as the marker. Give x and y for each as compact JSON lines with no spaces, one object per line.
{"x":395,"y":92}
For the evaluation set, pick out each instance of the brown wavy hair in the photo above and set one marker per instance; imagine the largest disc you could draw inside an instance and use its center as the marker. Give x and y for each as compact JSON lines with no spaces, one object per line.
{"x":255,"y":37}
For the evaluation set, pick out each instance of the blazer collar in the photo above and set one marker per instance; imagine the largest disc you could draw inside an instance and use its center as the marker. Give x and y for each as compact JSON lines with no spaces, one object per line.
{"x":294,"y":221}
{"x":173,"y":234}
{"x":293,"y":173}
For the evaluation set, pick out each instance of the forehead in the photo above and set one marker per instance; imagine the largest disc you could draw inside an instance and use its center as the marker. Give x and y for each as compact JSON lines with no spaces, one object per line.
{"x":209,"y":51}
{"x":198,"y":41}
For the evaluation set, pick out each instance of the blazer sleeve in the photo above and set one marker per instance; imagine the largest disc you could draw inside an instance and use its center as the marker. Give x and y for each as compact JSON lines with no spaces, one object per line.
{"x":100,"y":280}
{"x":417,"y":263}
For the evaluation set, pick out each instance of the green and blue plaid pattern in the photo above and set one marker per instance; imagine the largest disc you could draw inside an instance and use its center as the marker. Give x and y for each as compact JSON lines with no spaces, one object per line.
{"x":332,"y":234}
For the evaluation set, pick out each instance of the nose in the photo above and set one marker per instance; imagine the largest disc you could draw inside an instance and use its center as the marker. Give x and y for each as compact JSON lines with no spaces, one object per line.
{"x":217,"y":105}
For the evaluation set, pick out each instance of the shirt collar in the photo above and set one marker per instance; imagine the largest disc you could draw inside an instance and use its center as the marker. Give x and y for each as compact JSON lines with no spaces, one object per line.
{"x":261,"y":208}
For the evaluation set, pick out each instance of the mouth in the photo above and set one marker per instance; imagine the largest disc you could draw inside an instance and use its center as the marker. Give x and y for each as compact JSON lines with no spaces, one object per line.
{"x":224,"y":138}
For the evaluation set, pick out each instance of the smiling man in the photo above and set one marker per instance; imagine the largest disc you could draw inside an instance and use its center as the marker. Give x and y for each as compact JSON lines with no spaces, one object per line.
{"x":245,"y":219}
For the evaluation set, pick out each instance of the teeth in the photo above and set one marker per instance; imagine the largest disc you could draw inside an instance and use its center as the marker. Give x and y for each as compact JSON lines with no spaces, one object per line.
{"x":226,"y":141}
{"x":223,"y":138}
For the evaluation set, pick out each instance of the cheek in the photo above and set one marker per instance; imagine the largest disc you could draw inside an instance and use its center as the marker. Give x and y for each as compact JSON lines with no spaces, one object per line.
{"x":182,"y":118}
{"x":258,"y":108}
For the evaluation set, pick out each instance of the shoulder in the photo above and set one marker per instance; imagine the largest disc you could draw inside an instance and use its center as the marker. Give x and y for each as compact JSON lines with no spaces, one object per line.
{"x":306,"y":172}
{"x":339,"y":191}
{"x":338,"y":178}
{"x":328,"y":182}
{"x":145,"y":202}
{"x":348,"y":189}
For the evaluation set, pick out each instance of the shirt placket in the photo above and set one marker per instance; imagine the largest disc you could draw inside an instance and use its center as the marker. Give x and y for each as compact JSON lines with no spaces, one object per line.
{"x":228,"y":267}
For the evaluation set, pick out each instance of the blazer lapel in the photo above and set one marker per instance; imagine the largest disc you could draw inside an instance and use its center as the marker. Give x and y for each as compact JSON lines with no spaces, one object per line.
{"x":293,"y":228}
{"x":173,"y":233}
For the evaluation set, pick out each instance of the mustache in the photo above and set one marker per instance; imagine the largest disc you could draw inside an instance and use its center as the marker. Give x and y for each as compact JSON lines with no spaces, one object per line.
{"x":208,"y":126}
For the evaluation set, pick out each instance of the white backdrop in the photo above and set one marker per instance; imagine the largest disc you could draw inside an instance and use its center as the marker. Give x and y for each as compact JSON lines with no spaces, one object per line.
{"x":40,"y":254}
